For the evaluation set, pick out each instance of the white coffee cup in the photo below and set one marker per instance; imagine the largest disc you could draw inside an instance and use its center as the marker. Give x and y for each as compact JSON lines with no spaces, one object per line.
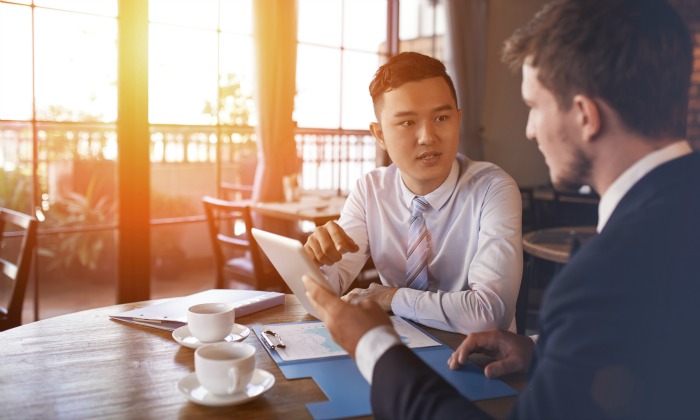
{"x":224,"y":368}
{"x":211,"y":322}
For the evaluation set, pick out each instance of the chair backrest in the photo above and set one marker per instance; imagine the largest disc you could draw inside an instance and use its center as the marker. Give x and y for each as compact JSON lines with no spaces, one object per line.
{"x":17,"y":269}
{"x":235,"y":192}
{"x":221,"y":217}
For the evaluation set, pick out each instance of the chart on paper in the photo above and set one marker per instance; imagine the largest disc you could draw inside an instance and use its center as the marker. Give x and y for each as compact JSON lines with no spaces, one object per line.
{"x":311,"y":340}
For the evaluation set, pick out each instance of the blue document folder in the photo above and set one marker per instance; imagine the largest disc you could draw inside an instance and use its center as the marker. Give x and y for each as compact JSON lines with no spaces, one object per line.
{"x":350,"y":397}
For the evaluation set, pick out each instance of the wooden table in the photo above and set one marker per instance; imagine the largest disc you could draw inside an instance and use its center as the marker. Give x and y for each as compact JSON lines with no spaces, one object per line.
{"x":85,"y":365}
{"x":313,"y":208}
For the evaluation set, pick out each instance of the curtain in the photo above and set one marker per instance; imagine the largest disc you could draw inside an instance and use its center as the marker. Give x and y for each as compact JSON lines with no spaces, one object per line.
{"x":275,"y":33}
{"x":466,"y":57}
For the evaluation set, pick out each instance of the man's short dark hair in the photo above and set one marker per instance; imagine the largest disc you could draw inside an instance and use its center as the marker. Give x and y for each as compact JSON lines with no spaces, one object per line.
{"x":403,"y":68}
{"x":635,"y":55}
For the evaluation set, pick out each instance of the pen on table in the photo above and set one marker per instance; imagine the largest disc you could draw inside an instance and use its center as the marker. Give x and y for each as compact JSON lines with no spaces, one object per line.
{"x":155,"y":321}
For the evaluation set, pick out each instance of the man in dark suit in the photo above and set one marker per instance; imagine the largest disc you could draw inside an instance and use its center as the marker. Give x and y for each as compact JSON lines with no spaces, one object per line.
{"x":607,"y":85}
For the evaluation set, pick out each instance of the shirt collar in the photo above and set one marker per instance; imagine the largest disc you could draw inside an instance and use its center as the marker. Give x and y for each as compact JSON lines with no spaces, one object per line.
{"x":438,"y":197}
{"x":623,"y":183}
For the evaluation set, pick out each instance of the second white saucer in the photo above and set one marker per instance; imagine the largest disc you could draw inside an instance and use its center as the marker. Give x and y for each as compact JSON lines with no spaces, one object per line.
{"x":189,"y":387}
{"x":183,"y":336}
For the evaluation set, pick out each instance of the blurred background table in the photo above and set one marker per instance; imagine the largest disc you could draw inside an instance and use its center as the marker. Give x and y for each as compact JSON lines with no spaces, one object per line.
{"x":312,"y":208}
{"x":84,"y":365}
{"x":546,"y":251}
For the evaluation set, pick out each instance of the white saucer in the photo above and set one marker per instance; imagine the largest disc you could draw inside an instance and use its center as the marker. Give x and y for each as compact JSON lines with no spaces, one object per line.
{"x":189,"y":387}
{"x":183,"y":336}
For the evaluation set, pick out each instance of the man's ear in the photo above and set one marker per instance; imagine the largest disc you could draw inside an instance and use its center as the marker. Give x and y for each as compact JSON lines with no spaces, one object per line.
{"x":587,"y":116}
{"x":376,"y":130}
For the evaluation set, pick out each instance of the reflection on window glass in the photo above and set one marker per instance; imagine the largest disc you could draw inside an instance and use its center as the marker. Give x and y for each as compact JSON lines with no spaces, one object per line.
{"x":320,"y":22}
{"x":358,"y":69}
{"x":317,"y":101}
{"x":76,"y":66}
{"x":182,"y":75}
{"x":16,"y":79}
{"x":98,"y":7}
{"x":195,"y":14}
{"x":364,"y":24}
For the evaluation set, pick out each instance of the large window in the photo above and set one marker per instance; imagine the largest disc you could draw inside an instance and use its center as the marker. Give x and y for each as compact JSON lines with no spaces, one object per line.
{"x":58,"y":145}
{"x":58,"y":122}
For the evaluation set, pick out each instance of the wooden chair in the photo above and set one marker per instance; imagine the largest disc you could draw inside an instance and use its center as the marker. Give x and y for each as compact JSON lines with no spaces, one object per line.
{"x":16,"y":268}
{"x":234,"y":192}
{"x":237,"y":256}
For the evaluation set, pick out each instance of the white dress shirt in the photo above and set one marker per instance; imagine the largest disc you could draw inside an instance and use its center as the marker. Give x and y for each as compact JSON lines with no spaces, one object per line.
{"x":474,"y":222}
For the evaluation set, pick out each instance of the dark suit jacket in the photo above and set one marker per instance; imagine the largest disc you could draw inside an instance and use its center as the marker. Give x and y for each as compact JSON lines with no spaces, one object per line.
{"x":619,"y":326}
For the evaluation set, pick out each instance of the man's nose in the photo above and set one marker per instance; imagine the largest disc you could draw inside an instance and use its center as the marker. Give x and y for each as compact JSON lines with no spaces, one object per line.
{"x":427,"y":134}
{"x":530,"y":130}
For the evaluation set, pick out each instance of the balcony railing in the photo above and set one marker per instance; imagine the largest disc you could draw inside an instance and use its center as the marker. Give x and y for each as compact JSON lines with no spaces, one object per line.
{"x":331,"y":159}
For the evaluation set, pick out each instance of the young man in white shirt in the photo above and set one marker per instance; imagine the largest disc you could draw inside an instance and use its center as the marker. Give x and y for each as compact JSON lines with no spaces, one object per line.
{"x":607,"y":85}
{"x":472,"y":217}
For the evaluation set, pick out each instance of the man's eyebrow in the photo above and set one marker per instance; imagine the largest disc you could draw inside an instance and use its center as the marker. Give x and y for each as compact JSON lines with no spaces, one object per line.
{"x":446,"y":107}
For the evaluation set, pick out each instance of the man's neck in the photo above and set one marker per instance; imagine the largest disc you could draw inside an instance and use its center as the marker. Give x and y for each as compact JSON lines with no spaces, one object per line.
{"x":616,"y":157}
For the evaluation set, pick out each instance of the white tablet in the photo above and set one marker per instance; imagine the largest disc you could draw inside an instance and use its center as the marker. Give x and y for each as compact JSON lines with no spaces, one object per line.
{"x":292,"y":262}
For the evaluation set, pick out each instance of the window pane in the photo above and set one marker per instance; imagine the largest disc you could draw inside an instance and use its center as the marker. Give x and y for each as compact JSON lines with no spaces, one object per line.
{"x":364,"y":25}
{"x":320,"y":22}
{"x":237,"y":16}
{"x":182,"y":75}
{"x":99,"y":7}
{"x":16,"y":166}
{"x":199,"y":14}
{"x":440,"y":19}
{"x":76,"y":67}
{"x":409,"y":19}
{"x":317,"y":103}
{"x":358,"y":69}
{"x":236,"y":80}
{"x":16,"y":79}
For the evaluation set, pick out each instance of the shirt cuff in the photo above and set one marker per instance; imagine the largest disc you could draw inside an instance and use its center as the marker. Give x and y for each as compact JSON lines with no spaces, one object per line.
{"x":373,"y":344}
{"x":404,"y":302}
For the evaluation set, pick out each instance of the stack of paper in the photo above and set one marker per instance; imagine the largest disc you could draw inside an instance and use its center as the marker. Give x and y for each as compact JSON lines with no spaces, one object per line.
{"x":172,"y":314}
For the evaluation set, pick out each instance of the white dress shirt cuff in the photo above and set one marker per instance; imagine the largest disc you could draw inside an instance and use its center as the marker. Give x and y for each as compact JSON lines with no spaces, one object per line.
{"x":373,"y":344}
{"x":404,"y":302}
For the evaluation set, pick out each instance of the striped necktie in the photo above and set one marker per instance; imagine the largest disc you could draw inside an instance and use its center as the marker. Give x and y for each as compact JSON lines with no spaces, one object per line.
{"x":418,"y":247}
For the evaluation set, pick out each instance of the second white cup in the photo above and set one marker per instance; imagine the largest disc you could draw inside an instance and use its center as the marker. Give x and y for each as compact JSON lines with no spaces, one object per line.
{"x":211,"y":322}
{"x":224,"y":368}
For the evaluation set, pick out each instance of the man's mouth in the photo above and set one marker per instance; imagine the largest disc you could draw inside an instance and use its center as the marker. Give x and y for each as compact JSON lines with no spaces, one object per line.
{"x":428,"y":155}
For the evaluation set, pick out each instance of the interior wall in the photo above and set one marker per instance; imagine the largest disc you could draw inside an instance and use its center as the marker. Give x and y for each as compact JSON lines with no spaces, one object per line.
{"x":505,"y":114}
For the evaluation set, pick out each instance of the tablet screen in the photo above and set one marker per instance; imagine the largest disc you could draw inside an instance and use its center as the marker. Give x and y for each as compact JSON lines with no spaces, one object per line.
{"x":292,"y":262}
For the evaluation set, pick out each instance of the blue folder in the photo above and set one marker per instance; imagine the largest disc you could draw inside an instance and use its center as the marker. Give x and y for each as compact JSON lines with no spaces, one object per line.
{"x":350,"y":396}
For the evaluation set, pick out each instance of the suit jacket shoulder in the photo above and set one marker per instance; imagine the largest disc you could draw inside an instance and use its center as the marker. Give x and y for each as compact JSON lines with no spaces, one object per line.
{"x":629,"y":289}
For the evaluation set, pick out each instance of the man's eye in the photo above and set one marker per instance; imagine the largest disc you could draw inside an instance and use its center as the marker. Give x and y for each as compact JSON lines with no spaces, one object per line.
{"x":407,"y":123}
{"x":442,"y":118}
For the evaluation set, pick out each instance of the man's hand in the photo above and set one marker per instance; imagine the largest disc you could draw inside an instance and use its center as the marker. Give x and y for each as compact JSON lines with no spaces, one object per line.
{"x":346,"y":322}
{"x":383,"y":295}
{"x":513,"y":352}
{"x":327,"y":244}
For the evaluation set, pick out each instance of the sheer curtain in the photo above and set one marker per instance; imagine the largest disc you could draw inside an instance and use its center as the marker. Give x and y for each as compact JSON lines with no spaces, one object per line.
{"x":466,"y":56}
{"x":275,"y":36}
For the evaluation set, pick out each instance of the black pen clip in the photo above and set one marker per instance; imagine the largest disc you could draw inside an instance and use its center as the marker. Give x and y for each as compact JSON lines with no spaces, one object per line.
{"x":269,"y":336}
